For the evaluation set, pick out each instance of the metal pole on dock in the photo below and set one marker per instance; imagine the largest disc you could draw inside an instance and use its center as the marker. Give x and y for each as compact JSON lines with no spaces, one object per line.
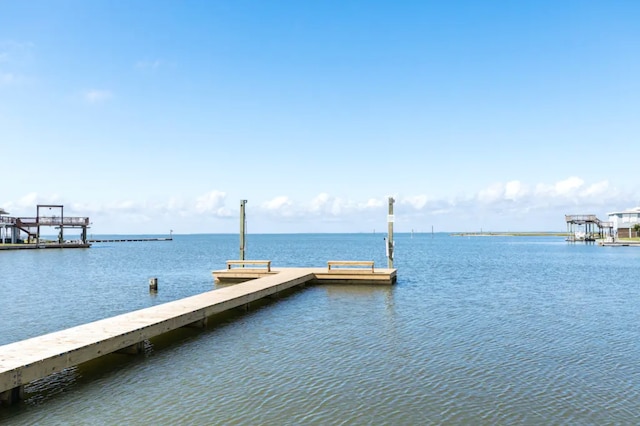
{"x":243,"y":226}
{"x":390,"y":220}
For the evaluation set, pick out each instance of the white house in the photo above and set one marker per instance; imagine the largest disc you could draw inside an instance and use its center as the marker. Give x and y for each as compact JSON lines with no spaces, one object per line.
{"x":624,"y":221}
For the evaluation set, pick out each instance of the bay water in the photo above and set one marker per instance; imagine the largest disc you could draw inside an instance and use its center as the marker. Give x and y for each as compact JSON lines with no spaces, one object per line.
{"x":477,"y":330}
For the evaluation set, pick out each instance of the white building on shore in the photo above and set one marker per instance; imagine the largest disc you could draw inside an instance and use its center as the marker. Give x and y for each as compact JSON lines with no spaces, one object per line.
{"x":5,"y":222}
{"x":624,"y":221}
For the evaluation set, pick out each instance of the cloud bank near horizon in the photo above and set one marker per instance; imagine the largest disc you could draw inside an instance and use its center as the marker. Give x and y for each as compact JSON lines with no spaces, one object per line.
{"x":512,"y":205}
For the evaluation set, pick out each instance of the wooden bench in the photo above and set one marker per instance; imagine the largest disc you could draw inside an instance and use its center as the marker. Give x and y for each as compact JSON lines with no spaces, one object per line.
{"x":243,"y":263}
{"x":365,"y":263}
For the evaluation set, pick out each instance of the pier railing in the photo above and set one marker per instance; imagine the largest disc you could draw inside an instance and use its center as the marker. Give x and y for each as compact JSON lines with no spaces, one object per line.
{"x":53,"y":221}
{"x":580,"y":218}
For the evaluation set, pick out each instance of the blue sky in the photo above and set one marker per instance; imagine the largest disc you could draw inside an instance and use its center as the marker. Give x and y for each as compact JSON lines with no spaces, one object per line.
{"x":155,"y":115}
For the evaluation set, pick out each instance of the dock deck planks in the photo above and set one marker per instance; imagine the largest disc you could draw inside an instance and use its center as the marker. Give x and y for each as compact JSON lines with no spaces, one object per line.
{"x":28,"y":360}
{"x":32,"y":359}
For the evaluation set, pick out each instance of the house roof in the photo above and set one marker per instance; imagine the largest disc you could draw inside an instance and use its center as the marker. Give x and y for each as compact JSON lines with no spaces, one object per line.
{"x":3,"y":211}
{"x":633,"y":210}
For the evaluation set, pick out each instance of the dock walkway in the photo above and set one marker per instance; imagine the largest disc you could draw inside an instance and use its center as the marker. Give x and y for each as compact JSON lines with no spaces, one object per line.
{"x":32,"y":359}
{"x":620,"y":243}
{"x":28,"y":360}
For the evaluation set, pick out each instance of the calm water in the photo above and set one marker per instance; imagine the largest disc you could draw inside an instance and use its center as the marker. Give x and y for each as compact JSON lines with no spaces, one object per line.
{"x":499,"y":330}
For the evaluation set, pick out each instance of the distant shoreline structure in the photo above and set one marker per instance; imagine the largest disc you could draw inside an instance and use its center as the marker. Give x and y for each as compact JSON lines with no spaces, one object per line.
{"x":509,"y":234}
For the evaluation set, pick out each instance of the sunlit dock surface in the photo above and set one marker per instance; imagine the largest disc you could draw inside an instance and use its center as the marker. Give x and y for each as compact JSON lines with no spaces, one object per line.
{"x":344,"y":272}
{"x":32,"y":359}
{"x":620,"y":244}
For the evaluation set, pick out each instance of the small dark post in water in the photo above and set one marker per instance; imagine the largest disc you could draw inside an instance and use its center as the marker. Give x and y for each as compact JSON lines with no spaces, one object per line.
{"x":153,"y":284}
{"x":390,"y":220}
{"x":243,"y":225}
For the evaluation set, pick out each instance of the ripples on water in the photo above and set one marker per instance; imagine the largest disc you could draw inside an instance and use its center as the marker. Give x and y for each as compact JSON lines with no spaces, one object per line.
{"x":476,"y":331}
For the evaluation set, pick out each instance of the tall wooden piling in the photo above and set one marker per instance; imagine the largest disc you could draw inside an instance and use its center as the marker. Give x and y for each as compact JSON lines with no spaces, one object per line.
{"x":243,"y":227}
{"x":390,"y":220}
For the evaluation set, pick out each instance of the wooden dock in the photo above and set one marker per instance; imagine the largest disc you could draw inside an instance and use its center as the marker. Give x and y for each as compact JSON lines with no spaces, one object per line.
{"x":619,"y":243}
{"x":320,"y":275}
{"x":32,"y":359}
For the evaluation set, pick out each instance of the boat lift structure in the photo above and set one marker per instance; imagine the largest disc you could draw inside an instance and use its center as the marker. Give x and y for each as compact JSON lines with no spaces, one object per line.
{"x":587,"y":228}
{"x":47,"y":216}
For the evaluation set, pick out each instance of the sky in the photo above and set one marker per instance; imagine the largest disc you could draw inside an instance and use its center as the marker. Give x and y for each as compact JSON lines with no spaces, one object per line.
{"x":150,"y":116}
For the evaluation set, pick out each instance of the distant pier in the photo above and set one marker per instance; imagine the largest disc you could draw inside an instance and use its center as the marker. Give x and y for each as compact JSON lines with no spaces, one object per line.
{"x":26,"y":232}
{"x":128,"y":240}
{"x":32,"y":359}
{"x":44,"y":245}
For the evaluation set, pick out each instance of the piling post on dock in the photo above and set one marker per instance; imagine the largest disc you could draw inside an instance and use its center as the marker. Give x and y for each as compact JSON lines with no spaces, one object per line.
{"x":390,"y":220}
{"x":243,"y":226}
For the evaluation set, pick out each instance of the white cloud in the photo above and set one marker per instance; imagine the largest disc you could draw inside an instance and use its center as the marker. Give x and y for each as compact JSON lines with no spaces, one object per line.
{"x":514,"y":190}
{"x":175,"y":204}
{"x":29,"y":202}
{"x":319,"y":202}
{"x":277,"y":203}
{"x":500,"y":206}
{"x":212,"y":203}
{"x":95,"y":96}
{"x":373,"y":203}
{"x":325,"y":204}
{"x":417,"y":202}
{"x":281,"y":207}
{"x":492,"y":193}
{"x":596,"y":189}
{"x":569,"y":185}
{"x":339,"y":206}
{"x":500,"y":192}
{"x":127,"y":206}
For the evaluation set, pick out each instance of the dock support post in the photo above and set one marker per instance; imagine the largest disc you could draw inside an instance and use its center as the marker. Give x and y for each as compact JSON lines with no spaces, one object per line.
{"x":134,"y":349}
{"x":390,"y":220}
{"x":201,"y":323}
{"x":153,"y":284}
{"x":243,"y":225}
{"x":12,"y":396}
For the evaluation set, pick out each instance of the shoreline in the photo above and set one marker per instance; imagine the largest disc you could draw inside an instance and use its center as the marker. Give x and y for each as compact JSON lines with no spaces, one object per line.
{"x":508,"y":234}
